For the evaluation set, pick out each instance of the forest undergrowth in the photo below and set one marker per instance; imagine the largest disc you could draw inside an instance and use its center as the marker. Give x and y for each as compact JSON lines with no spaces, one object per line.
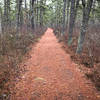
{"x":89,"y":60}
{"x":13,"y":48}
{"x":76,"y":24}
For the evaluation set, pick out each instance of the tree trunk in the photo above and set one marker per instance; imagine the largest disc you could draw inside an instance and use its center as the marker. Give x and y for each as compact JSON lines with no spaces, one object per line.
{"x":19,"y":14}
{"x":6,"y":18}
{"x":72,"y":19}
{"x":25,"y":5}
{"x":8,"y":12}
{"x":93,"y":11}
{"x":71,"y":24}
{"x":37,"y":12}
{"x":86,"y":13}
{"x":32,"y":14}
{"x":26,"y":15}
{"x":41,"y":13}
{"x":57,"y":20}
{"x":64,"y":15}
{"x":68,"y":5}
{"x":0,"y":21}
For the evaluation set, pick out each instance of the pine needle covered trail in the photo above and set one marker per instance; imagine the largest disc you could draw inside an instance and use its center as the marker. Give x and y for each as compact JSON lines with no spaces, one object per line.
{"x":51,"y":75}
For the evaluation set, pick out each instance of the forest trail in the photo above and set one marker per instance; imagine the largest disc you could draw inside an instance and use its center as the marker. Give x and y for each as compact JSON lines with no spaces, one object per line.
{"x":51,"y":75}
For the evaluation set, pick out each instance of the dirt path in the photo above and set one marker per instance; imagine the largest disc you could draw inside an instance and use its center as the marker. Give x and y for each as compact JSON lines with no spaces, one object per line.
{"x":51,"y":75}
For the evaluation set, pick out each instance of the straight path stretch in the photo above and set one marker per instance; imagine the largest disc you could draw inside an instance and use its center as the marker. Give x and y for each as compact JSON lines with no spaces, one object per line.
{"x":51,"y":75}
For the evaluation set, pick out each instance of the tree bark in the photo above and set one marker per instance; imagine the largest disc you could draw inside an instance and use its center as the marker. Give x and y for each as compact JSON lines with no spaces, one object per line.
{"x":37,"y":12}
{"x":86,"y":13}
{"x":41,"y":13}
{"x":64,"y":14}
{"x":32,"y":14}
{"x":25,"y":4}
{"x":93,"y":11}
{"x":68,"y":5}
{"x":6,"y":18}
{"x":0,"y":21}
{"x":19,"y":14}
{"x":71,"y":23}
{"x":74,"y":7}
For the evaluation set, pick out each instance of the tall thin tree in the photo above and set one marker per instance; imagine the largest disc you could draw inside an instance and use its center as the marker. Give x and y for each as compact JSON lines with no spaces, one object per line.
{"x":64,"y":15}
{"x":74,"y":7}
{"x":32,"y":14}
{"x":19,"y":13}
{"x":86,"y":12}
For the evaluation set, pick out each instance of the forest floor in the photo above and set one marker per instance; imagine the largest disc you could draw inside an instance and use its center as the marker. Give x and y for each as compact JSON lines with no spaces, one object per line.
{"x":50,"y":74}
